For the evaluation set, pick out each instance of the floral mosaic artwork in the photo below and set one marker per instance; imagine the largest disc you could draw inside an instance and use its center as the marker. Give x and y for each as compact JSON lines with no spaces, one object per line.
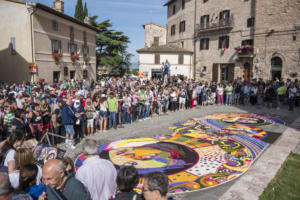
{"x":201,"y":153}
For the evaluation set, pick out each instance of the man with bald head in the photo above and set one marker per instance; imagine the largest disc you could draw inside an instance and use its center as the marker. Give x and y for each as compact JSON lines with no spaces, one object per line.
{"x":97,"y":174}
{"x":59,"y":184}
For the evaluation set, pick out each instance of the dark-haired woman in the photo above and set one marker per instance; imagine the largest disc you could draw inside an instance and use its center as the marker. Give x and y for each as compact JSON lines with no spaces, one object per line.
{"x":127,"y":180}
{"x":18,"y":123}
{"x":28,"y":182}
{"x":8,"y":150}
{"x":36,"y":121}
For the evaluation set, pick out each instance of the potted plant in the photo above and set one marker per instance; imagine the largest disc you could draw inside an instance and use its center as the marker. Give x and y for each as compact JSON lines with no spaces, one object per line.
{"x":56,"y":56}
{"x":74,"y":57}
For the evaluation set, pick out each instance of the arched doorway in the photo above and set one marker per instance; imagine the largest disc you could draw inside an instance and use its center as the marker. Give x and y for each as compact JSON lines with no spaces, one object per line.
{"x":276,"y":67}
{"x":247,"y":72}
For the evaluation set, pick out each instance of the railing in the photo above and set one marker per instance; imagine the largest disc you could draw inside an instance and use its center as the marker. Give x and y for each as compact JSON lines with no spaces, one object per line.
{"x":221,"y":25}
{"x":245,"y":51}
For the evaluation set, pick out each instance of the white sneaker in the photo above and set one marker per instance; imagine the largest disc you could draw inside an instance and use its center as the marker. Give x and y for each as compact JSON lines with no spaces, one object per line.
{"x":72,"y":146}
{"x":67,"y":141}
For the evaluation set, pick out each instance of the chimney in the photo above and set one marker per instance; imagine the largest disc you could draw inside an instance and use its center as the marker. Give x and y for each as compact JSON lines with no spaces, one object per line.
{"x":58,"y":5}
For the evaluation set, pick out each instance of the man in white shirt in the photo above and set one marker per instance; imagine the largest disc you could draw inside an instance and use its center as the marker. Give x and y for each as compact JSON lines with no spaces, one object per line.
{"x":98,"y":175}
{"x":292,"y":94}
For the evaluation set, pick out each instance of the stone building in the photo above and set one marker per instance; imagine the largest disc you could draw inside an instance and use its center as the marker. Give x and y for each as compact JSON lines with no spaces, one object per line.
{"x":151,"y":59}
{"x":155,"y":34}
{"x":157,"y":51}
{"x":277,"y":39}
{"x":237,"y":38}
{"x":59,"y":46}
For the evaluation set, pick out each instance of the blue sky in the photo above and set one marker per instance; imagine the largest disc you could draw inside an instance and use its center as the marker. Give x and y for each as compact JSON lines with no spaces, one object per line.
{"x":127,"y":16}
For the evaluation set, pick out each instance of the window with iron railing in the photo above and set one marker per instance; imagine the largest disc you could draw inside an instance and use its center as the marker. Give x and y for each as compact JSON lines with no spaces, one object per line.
{"x":204,"y":22}
{"x":85,"y":50}
{"x":224,"y":18}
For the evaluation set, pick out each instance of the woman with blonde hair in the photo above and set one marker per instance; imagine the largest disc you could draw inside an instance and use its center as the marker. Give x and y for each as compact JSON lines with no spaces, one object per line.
{"x":89,"y":112}
{"x":23,"y":156}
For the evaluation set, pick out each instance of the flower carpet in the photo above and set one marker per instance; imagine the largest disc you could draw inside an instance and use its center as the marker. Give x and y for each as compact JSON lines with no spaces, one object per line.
{"x":201,"y":153}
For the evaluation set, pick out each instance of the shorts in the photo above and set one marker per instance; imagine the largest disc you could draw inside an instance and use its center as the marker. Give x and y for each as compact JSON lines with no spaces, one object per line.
{"x":90,"y":123}
{"x":102,"y":114}
{"x":69,"y":130}
{"x":246,"y":96}
{"x":237,"y":95}
{"x":181,"y":100}
{"x":203,"y":98}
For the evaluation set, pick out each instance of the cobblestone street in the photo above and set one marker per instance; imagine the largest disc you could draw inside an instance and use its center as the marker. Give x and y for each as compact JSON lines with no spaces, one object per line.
{"x":159,"y":125}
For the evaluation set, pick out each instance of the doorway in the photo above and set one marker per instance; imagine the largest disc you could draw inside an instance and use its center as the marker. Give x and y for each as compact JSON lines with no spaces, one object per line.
{"x":247,"y":72}
{"x":56,"y":76}
{"x":276,"y":68}
{"x":72,"y":75}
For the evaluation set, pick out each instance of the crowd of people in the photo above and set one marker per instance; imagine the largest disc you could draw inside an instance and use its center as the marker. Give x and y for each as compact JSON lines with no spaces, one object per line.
{"x":75,"y":109}
{"x":21,"y":178}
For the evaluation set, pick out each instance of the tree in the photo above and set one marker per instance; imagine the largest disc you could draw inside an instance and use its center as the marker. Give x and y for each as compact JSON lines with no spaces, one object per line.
{"x":79,"y":11}
{"x":85,"y":11}
{"x":111,"y":48}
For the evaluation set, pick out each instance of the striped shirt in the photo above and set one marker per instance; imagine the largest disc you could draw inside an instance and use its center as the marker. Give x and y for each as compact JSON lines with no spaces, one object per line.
{"x":8,"y":117}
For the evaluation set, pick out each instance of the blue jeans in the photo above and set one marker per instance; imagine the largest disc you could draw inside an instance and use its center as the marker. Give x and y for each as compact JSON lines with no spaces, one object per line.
{"x":126,"y":117}
{"x":112,"y":120}
{"x":142,"y":109}
{"x":228,"y":99}
{"x":147,"y":112}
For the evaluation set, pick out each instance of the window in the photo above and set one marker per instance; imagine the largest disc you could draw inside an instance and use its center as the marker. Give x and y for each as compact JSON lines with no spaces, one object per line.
{"x":71,"y":30}
{"x":85,"y":50}
{"x":204,"y":1}
{"x":173,"y":27}
{"x":250,"y":22}
{"x":156,"y":41}
{"x":85,"y":74}
{"x":157,"y":59}
{"x":72,"y":74}
{"x":204,"y":44}
{"x":174,"y":9}
{"x":54,"y":25}
{"x":72,"y":48}
{"x":56,"y":46}
{"x":180,"y":59}
{"x":294,"y":38}
{"x":204,"y":21}
{"x":182,"y":26}
{"x":247,"y":42}
{"x":13,"y":46}
{"x":223,"y":42}
{"x":224,"y":18}
{"x":183,"y":4}
{"x":182,"y":44}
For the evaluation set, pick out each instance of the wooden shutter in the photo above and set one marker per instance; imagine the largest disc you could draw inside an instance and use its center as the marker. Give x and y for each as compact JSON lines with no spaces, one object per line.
{"x":157,"y":59}
{"x":215,"y":72}
{"x":156,"y":41}
{"x":207,"y":43}
{"x":220,"y":42}
{"x":180,"y":59}
{"x":227,"y":41}
{"x":230,"y":72}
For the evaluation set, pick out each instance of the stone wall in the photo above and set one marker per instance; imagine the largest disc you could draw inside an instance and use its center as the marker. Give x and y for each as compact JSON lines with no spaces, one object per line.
{"x":277,"y":34}
{"x":152,"y":30}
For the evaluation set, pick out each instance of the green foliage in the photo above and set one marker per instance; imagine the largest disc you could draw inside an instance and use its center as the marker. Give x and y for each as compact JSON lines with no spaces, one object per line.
{"x":79,"y":11}
{"x":111,"y":48}
{"x":285,"y":185}
{"x":85,"y":11}
{"x":135,"y":72}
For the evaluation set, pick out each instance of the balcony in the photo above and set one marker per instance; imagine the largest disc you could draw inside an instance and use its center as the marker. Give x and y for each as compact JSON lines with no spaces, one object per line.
{"x":245,"y":51}
{"x":226,"y":24}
